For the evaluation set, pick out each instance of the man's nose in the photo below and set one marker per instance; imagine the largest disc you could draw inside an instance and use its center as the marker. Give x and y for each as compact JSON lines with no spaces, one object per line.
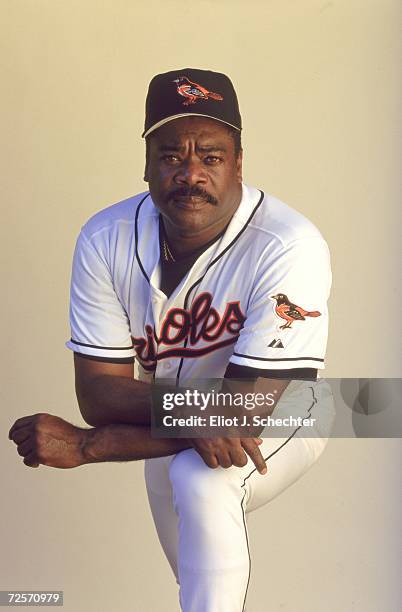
{"x":191,"y":172}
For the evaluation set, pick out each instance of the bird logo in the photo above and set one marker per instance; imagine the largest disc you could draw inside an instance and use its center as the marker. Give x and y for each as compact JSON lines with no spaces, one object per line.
{"x":193,"y":91}
{"x":290,"y":312}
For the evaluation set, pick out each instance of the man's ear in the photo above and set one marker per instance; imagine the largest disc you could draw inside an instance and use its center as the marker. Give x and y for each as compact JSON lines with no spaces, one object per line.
{"x":146,"y":175}
{"x":239,"y":166}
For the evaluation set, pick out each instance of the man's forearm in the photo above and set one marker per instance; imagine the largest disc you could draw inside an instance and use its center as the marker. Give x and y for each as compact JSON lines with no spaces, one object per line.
{"x":116,"y":399}
{"x":111,"y":399}
{"x":127,"y":443}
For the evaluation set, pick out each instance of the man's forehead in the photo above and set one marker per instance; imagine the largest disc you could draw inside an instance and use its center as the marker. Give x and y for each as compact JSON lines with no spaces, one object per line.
{"x":200,"y":128}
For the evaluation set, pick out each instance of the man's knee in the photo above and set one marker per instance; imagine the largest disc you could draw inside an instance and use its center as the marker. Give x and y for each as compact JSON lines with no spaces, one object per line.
{"x":197,"y":484}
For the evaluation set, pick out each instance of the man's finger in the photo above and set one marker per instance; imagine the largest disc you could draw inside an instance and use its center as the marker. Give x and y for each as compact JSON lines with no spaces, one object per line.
{"x":255,"y":454}
{"x":22,"y":422}
{"x":224,"y":459}
{"x":210,"y":460}
{"x":31,"y":460}
{"x":25,"y":448}
{"x":239,"y":457}
{"x":20,"y":435}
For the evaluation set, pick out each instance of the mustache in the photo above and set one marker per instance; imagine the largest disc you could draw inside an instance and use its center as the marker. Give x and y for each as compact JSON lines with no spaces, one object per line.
{"x":195,"y":192}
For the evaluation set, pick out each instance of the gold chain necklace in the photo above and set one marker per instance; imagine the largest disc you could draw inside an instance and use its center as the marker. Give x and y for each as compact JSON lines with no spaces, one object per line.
{"x":167,"y":252}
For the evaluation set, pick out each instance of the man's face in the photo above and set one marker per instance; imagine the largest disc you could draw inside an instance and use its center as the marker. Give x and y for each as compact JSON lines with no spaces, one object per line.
{"x":193,"y":174}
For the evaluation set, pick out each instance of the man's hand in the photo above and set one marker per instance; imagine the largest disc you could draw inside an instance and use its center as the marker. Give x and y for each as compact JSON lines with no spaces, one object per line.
{"x":226,"y":452}
{"x":47,"y":439}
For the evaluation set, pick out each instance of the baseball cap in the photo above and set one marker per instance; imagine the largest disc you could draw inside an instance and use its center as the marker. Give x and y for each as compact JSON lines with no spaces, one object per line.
{"x":190,"y":91}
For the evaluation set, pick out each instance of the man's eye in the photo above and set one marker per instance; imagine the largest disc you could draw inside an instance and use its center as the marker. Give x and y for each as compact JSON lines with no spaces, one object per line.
{"x":170,"y":158}
{"x":212,"y":159}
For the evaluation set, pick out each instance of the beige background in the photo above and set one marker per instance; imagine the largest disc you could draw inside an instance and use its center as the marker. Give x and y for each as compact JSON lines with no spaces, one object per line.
{"x":319,"y":90}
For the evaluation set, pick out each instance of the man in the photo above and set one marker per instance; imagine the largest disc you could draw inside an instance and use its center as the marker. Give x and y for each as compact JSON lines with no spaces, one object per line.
{"x":201,"y":277}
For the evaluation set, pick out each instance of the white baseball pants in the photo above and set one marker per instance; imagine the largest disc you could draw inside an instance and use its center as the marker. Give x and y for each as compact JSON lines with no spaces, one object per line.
{"x":200,"y":513}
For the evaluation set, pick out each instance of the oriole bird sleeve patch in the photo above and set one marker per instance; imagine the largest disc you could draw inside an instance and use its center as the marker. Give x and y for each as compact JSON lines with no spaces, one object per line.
{"x":291,"y":312}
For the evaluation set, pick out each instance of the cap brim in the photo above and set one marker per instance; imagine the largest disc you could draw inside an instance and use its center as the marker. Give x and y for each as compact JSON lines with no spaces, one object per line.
{"x":167,"y":119}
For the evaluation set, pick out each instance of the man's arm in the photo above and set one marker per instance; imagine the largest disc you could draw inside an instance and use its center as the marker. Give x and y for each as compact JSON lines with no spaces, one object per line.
{"x":119,"y":408}
{"x":108,"y":394}
{"x":109,"y":397}
{"x":50,"y":440}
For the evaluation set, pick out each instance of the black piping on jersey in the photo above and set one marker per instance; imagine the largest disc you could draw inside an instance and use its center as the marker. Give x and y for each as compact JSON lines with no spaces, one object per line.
{"x":137,"y":256}
{"x":118,"y":360}
{"x":314,"y":402}
{"x":106,"y":348}
{"x":209,"y":266}
{"x":279,"y":359}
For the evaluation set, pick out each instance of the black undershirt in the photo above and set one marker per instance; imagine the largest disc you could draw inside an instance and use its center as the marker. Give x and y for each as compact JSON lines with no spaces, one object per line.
{"x":173,"y":272}
{"x":239,"y":371}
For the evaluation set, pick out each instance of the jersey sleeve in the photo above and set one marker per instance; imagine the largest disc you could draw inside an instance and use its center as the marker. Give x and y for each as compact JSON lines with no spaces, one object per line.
{"x":286,"y":322}
{"x":99,"y":323}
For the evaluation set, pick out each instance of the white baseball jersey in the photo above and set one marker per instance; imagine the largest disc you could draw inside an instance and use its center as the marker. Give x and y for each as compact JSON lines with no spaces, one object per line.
{"x":257,"y":297}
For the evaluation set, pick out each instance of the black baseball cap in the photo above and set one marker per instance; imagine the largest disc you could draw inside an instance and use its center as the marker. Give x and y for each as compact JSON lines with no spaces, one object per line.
{"x":190,"y":91}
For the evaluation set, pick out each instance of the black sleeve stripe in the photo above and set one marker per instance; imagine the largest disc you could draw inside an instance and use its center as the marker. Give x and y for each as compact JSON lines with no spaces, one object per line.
{"x":291,"y":374}
{"x":106,"y":359}
{"x":106,"y":348}
{"x":282,"y":359}
{"x":235,"y":370}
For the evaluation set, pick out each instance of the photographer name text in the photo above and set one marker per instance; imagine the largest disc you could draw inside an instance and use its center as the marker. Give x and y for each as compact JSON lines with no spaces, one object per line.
{"x":222,"y":421}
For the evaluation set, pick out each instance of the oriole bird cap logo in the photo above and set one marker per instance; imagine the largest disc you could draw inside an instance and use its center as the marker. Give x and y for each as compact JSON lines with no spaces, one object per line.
{"x":192,"y":92}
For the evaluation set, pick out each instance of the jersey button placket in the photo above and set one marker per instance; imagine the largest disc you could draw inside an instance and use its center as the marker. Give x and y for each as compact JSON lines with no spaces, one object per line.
{"x":157,"y":304}
{"x":158,"y":301}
